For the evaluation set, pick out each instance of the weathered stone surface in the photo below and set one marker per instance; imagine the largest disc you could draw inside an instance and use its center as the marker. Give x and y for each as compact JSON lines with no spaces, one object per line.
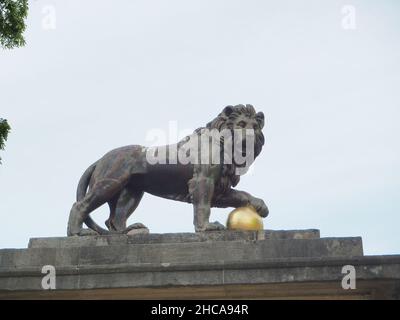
{"x":226,"y":264}
{"x":66,"y":242}
{"x":377,"y":277}
{"x":183,"y":252}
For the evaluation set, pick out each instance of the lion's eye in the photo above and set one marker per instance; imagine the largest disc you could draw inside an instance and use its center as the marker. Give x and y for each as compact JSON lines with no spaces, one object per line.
{"x":242,"y":124}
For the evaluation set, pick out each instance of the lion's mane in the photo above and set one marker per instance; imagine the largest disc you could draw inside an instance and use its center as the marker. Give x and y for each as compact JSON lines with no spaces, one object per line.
{"x":228,"y":119}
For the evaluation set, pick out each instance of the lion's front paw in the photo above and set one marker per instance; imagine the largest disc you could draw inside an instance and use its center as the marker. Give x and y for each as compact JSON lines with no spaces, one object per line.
{"x":212,"y":226}
{"x":260,"y":207}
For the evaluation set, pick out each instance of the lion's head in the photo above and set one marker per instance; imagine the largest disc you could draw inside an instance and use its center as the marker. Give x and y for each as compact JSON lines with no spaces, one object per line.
{"x":236,"y":118}
{"x":241,"y":117}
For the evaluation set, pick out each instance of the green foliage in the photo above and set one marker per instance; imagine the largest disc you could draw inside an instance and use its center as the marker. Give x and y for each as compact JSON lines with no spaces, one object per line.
{"x":4,"y":129}
{"x":12,"y":22}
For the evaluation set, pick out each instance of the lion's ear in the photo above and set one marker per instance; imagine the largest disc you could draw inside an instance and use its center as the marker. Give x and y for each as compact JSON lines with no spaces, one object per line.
{"x":227,"y":111}
{"x":251,"y":108}
{"x":260,"y":119}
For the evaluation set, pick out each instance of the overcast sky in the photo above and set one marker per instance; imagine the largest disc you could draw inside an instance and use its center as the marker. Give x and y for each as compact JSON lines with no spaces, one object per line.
{"x":96,"y":75}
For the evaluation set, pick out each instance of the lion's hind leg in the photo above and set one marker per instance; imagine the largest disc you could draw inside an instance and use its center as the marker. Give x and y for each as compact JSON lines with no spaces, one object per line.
{"x":112,"y":205}
{"x":101,"y":192}
{"x":126,"y":204}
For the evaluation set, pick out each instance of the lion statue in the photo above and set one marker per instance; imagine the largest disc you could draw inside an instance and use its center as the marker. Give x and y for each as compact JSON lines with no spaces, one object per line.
{"x":121,"y":176}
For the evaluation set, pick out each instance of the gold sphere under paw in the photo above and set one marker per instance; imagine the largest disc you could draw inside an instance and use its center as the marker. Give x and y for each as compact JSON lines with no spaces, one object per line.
{"x":245,"y":218}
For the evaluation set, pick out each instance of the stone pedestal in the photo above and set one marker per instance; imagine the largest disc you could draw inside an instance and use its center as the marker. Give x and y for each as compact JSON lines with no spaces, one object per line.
{"x":226,"y":264}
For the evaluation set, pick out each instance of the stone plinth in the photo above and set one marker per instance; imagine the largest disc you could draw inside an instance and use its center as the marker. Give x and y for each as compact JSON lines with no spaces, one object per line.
{"x":226,"y":264}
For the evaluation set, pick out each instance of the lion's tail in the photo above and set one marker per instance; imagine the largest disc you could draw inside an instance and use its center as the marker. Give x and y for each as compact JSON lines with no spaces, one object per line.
{"x":84,"y":182}
{"x":80,"y":194}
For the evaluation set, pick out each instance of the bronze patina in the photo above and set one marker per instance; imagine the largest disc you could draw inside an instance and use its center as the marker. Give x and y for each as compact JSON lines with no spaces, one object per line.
{"x":121,"y":176}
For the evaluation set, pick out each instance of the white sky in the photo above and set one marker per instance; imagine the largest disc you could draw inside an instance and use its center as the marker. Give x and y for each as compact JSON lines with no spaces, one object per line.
{"x":112,"y":70}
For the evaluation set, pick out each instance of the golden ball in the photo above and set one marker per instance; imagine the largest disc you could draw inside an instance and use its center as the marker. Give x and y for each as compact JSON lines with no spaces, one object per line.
{"x":245,"y":218}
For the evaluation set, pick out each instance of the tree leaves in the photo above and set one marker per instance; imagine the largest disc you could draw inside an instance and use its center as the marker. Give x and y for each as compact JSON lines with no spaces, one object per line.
{"x":12,"y":23}
{"x":4,"y":130}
